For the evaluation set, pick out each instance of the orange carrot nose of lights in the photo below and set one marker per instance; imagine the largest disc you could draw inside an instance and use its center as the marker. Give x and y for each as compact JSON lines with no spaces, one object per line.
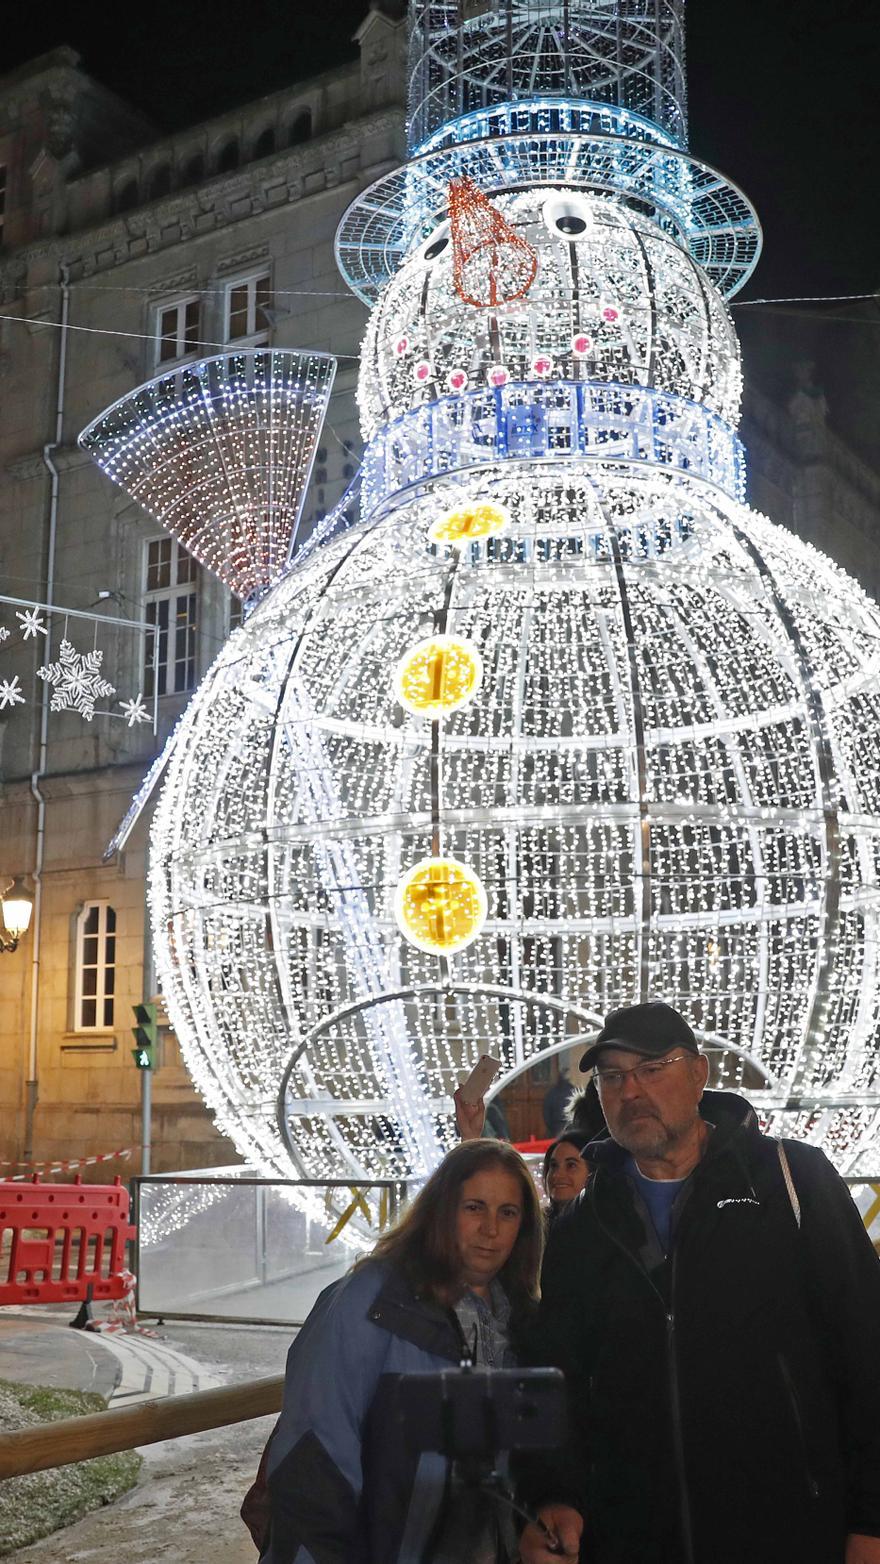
{"x":438,"y":675}
{"x":492,"y":264}
{"x":469,"y":522}
{"x":440,"y":906}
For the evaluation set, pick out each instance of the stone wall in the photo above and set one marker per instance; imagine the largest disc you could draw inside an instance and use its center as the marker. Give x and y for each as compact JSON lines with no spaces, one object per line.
{"x":276,"y":212}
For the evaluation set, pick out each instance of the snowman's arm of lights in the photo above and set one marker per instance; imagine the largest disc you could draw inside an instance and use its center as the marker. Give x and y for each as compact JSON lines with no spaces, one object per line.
{"x":142,"y":796}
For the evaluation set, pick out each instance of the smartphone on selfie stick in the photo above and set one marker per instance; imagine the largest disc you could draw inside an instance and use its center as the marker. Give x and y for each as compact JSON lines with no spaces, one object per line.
{"x":471,"y":1415}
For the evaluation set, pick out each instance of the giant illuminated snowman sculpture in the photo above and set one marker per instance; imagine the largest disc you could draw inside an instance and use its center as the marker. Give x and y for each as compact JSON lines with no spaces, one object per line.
{"x":558,"y":722}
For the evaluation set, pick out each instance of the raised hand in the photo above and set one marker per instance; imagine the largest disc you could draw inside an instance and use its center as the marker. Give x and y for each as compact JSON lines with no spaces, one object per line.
{"x":565,"y":1525}
{"x":469,"y":1116}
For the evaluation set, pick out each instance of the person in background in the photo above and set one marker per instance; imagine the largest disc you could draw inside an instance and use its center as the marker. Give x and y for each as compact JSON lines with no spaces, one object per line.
{"x":496,"y":1126}
{"x":555,"y":1104}
{"x":565,"y":1172}
{"x":585,"y":1112}
{"x":456,"y":1277}
{"x":714,"y":1302}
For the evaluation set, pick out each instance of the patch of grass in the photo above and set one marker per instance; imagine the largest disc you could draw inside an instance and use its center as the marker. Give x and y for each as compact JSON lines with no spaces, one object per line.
{"x":33,"y":1506}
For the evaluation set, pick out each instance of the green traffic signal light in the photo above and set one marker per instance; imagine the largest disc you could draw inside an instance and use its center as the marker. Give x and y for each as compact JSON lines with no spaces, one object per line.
{"x":146,"y":1035}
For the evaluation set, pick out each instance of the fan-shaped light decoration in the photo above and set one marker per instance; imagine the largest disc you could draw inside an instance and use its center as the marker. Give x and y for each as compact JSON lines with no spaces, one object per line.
{"x":466,"y":523}
{"x":440,"y":906}
{"x":220,"y":453}
{"x":492,"y":264}
{"x":438,"y":676}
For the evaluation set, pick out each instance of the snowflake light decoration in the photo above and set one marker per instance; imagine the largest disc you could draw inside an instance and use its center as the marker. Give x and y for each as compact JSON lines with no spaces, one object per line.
{"x":76,"y":680}
{"x":10,"y":693}
{"x":663,"y":778}
{"x":135,"y":710}
{"x":32,"y":623}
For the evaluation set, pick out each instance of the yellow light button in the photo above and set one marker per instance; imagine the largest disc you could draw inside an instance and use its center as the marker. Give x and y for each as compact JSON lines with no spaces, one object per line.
{"x":467,"y":522}
{"x":440,"y":906}
{"x":438,"y":675}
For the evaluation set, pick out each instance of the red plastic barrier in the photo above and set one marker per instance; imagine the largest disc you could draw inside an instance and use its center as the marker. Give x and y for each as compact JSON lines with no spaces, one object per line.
{"x":59,"y":1240}
{"x":534,"y":1146}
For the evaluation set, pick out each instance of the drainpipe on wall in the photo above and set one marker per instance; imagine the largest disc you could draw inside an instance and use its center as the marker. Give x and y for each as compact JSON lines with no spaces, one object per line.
{"x":32,"y":1084}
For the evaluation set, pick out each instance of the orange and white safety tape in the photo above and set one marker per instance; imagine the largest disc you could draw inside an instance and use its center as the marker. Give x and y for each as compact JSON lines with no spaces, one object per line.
{"x":65,"y":1164}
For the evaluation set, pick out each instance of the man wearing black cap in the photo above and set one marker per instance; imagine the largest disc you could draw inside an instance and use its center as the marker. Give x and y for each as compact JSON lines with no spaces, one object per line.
{"x":714,"y":1301}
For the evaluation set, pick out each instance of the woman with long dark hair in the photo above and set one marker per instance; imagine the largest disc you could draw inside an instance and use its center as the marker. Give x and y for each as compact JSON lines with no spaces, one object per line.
{"x":457,"y":1277}
{"x":564,"y":1170}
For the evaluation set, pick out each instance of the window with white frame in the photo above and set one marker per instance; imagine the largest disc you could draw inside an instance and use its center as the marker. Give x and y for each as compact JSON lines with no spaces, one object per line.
{"x":95,"y":967}
{"x":246,"y":303}
{"x":171,"y":587}
{"x":3,"y":181}
{"x":178,"y":330}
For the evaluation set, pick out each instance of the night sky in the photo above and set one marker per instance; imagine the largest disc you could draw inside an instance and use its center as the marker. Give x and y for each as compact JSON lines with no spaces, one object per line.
{"x":783,"y":98}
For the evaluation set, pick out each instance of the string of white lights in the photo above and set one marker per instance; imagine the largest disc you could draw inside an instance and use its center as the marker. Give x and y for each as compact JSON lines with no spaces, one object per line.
{"x":558,"y":722}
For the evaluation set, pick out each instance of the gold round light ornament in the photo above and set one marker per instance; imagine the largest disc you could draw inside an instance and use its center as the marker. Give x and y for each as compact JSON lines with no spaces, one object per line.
{"x":467,"y":523}
{"x":438,"y":675}
{"x":440,"y":906}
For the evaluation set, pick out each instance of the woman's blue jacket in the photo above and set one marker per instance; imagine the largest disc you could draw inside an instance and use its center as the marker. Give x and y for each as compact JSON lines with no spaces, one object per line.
{"x":345,"y":1485}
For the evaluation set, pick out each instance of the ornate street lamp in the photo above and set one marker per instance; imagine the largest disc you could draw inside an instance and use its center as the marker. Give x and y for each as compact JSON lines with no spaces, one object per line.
{"x":16,"y":904}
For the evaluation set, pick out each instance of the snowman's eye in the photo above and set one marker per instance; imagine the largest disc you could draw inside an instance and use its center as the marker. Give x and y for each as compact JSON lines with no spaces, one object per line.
{"x":436,"y":243}
{"x":568,"y":215}
{"x":570,"y":225}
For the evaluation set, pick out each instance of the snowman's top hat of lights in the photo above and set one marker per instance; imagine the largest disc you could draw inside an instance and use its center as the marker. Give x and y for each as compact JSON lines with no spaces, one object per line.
{"x":581,"y":94}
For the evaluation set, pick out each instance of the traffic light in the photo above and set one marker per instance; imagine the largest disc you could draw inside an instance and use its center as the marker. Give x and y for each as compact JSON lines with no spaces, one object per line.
{"x":146,"y":1036}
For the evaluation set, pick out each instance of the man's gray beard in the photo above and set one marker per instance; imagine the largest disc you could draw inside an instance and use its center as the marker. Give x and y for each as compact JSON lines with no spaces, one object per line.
{"x":639,"y":1146}
{"x":662,"y":1137}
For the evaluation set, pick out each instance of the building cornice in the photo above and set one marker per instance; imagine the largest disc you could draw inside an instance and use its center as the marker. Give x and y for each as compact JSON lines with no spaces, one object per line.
{"x":254,"y":110}
{"x":328,"y":161}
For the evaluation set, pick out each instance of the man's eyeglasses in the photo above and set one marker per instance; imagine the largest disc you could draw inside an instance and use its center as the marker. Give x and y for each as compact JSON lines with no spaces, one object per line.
{"x":648,"y":1074}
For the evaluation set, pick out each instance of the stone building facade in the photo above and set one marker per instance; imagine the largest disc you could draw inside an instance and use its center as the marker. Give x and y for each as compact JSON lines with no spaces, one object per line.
{"x":122,"y":254}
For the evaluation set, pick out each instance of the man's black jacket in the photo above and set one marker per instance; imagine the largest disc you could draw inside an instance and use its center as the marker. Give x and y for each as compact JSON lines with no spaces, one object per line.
{"x":726,"y":1401}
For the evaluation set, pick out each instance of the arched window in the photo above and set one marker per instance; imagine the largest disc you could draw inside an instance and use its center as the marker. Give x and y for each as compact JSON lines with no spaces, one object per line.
{"x":264,"y":145}
{"x":301,"y":128}
{"x":227,"y":157}
{"x":194,"y":169}
{"x":95,"y":967}
{"x":160,"y":181}
{"x":127,"y":196}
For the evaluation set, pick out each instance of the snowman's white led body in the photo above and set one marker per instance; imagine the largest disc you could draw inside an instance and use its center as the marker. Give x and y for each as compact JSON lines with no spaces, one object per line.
{"x":663,"y":776}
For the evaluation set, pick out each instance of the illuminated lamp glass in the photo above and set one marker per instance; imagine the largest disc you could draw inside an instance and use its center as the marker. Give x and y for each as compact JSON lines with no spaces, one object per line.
{"x":439,"y":675}
{"x":440,"y":906}
{"x":467,"y":522}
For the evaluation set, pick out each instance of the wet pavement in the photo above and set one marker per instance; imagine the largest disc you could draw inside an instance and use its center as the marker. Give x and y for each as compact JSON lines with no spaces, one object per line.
{"x":185,"y":1505}
{"x":44,"y":1352}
